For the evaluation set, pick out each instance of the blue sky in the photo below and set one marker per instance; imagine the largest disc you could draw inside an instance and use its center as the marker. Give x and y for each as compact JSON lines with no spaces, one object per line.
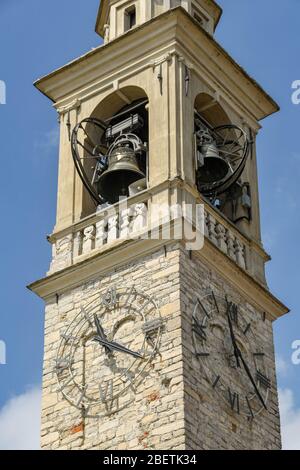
{"x":37,"y":37}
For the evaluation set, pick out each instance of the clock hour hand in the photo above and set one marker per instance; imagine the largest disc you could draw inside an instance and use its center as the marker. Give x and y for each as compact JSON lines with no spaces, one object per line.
{"x":252,"y":379}
{"x":101,"y":333}
{"x":117,"y":347}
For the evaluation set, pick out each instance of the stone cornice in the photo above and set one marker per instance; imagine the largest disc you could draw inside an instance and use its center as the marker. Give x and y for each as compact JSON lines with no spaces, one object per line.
{"x":161,"y":33}
{"x":122,"y":253}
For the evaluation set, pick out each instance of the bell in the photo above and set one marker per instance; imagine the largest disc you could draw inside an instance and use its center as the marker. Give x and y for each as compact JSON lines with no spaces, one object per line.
{"x":122,"y":171}
{"x":213,"y":168}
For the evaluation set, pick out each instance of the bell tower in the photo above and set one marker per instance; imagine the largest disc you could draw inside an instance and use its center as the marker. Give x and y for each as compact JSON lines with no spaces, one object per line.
{"x":153,"y":340}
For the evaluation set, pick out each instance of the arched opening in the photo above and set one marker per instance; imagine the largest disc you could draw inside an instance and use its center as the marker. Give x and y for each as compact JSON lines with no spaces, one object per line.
{"x":114,"y":148}
{"x":221,"y":151}
{"x":208,"y":107}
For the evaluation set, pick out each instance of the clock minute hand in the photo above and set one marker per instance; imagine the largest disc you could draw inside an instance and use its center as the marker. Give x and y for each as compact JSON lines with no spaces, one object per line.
{"x":235,"y":347}
{"x":117,"y":347}
{"x":238,"y":355}
{"x":252,"y":379}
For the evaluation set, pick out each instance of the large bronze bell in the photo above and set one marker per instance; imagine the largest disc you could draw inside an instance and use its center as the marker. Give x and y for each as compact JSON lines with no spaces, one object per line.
{"x":122,"y":171}
{"x":212,"y":167}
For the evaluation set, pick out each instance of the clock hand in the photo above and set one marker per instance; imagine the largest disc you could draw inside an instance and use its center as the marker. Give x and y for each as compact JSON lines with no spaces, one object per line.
{"x":252,"y":379}
{"x":117,"y":347}
{"x":235,"y":347}
{"x":238,"y":355}
{"x":101,"y":333}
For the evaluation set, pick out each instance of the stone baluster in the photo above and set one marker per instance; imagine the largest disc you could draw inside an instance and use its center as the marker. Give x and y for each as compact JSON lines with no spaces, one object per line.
{"x":64,"y":249}
{"x":77,"y":244}
{"x":88,"y":239}
{"x":62,"y":253}
{"x":230,"y":244}
{"x":125,"y":223}
{"x":206,"y":233}
{"x":211,"y":226}
{"x":112,"y":234}
{"x":140,"y":217}
{"x":101,"y":233}
{"x":240,"y":254}
{"x":221,"y":237}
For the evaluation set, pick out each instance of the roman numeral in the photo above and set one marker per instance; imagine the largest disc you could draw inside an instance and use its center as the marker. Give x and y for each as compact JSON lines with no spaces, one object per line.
{"x":259,"y":354}
{"x":110,"y":298}
{"x":217,"y":380}
{"x":249,"y":406}
{"x":67,"y":338}
{"x":234,"y":400}
{"x":247,"y":328}
{"x":151,"y":327}
{"x":81,"y":397}
{"x":106,"y":391}
{"x":130,"y":377}
{"x":263,"y":380}
{"x":233,"y":312}
{"x":203,"y":308}
{"x":106,"y":396}
{"x":199,"y":330}
{"x":86,"y":316}
{"x":131,"y":292}
{"x":215,"y":301}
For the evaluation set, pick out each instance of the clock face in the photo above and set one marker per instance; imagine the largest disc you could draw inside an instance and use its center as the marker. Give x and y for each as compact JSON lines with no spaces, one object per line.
{"x":226,"y":342}
{"x":106,"y":351}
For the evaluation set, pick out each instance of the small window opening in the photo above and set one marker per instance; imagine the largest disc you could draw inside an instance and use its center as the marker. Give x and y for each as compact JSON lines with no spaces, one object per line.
{"x":130,"y":18}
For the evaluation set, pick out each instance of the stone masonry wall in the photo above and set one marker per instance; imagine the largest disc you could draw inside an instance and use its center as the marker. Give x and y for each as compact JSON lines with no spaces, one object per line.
{"x":210,"y":423}
{"x":155,"y":420}
{"x":174,"y":407}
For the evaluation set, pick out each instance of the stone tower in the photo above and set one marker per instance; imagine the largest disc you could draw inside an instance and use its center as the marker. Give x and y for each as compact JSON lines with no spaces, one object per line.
{"x":152,"y":342}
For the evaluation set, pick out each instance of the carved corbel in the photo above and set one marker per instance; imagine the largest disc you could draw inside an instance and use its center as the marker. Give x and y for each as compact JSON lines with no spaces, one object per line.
{"x":187,"y":67}
{"x":74,"y":105}
{"x":159,"y":63}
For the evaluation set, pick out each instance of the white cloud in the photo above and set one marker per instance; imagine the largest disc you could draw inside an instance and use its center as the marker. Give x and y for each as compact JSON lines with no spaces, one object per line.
{"x":290,"y":420}
{"x":282,"y":367}
{"x":48,"y":141}
{"x":20,"y":422}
